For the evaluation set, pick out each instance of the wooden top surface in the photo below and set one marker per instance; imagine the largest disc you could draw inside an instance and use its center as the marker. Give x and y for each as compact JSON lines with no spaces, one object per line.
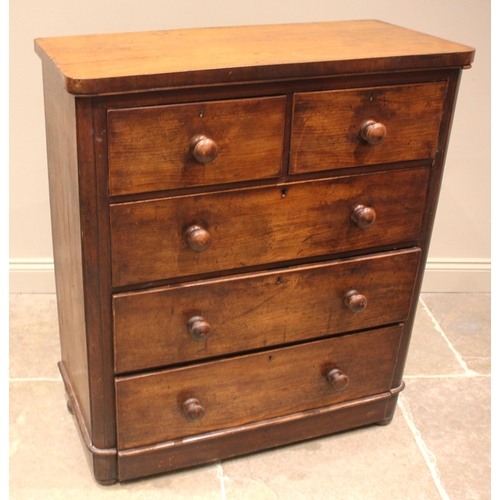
{"x":130,"y":62}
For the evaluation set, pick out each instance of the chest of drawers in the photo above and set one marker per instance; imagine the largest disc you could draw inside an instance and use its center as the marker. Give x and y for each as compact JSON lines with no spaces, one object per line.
{"x":241,"y":218}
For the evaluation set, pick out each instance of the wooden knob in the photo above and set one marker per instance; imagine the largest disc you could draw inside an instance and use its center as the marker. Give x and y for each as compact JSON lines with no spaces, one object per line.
{"x":193,"y":410}
{"x":363,"y":216}
{"x":355,"y":301}
{"x":199,"y":328}
{"x":203,"y":148}
{"x":197,"y":237}
{"x":373,"y":132}
{"x":338,"y":379}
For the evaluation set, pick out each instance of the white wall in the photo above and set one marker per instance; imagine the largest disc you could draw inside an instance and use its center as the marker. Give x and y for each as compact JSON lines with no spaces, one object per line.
{"x":460,"y":252}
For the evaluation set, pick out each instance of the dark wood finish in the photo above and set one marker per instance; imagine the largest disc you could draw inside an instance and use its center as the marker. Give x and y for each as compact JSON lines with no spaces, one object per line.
{"x":373,"y":132}
{"x":62,"y":159}
{"x":263,"y":309}
{"x":198,"y":328}
{"x":253,"y":387}
{"x":94,"y":216}
{"x":82,"y":314}
{"x":197,"y":238}
{"x":72,"y":229}
{"x":327,"y":126}
{"x":338,"y":379}
{"x":355,"y":301}
{"x":363,"y":216}
{"x":203,"y":148}
{"x":261,"y":226}
{"x":429,"y":215}
{"x":249,"y":438}
{"x":281,"y":186}
{"x":193,"y":410}
{"x":151,"y":148}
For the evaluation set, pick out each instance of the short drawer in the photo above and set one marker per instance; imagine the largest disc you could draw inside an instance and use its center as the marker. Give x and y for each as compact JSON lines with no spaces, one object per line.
{"x":217,"y":317}
{"x":167,"y":147}
{"x":189,"y":235}
{"x":171,"y":404}
{"x":345,"y":128}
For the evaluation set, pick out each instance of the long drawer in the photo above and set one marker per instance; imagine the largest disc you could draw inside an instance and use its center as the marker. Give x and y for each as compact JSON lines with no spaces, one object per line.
{"x":211,"y":318}
{"x":188,"y":235}
{"x":182,"y":402}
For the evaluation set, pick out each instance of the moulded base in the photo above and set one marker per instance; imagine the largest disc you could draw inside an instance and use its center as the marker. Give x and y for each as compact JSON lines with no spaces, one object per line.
{"x":110,"y":465}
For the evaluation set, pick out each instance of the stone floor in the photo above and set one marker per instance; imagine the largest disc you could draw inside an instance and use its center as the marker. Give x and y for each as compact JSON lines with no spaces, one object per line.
{"x":437,"y":447}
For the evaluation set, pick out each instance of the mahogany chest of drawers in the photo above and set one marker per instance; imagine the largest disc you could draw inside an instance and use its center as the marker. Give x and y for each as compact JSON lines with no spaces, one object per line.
{"x":241,"y":218}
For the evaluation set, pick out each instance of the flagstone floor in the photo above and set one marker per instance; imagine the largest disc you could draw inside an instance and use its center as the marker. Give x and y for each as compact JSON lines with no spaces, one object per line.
{"x":437,"y":447}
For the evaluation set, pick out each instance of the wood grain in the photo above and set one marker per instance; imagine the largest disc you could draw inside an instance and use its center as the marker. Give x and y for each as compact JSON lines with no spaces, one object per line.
{"x":256,"y":335}
{"x":255,"y":387}
{"x":263,"y":309}
{"x":264,"y":225}
{"x":326,"y":126}
{"x":149,"y":147}
{"x":249,"y":438}
{"x":76,"y":259}
{"x":128,"y":62}
{"x":435,"y":181}
{"x":66,"y":235}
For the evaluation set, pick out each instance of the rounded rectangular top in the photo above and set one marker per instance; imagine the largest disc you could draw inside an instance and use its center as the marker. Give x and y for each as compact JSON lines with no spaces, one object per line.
{"x":131,"y":62}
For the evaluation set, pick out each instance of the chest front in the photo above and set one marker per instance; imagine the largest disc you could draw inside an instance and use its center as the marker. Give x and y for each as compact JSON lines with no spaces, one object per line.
{"x":239,"y":246}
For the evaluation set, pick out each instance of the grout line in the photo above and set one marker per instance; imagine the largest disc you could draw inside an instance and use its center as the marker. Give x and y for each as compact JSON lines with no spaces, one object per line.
{"x":220,"y":476}
{"x":437,"y":326}
{"x":429,"y":457}
{"x":35,"y":379}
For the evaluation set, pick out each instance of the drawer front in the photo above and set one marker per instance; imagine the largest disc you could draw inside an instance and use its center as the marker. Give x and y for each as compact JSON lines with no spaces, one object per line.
{"x":213,"y":318}
{"x":159,"y":407}
{"x":189,"y":235}
{"x":327,"y":126}
{"x":167,"y":147}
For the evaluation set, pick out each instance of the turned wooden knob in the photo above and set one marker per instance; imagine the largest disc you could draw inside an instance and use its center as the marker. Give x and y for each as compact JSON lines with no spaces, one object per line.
{"x":199,"y":328}
{"x":203,"y":148}
{"x":338,"y":379}
{"x":193,"y":410}
{"x":355,"y":301}
{"x":373,"y":132}
{"x":363,"y":216}
{"x":197,"y":237}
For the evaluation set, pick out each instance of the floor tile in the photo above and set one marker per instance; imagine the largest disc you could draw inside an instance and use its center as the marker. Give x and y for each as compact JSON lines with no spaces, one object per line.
{"x":375,"y":462}
{"x":466,"y":320}
{"x":33,"y":336}
{"x":429,"y":353}
{"x":452,"y":416}
{"x":448,"y":412}
{"x":47,"y":460}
